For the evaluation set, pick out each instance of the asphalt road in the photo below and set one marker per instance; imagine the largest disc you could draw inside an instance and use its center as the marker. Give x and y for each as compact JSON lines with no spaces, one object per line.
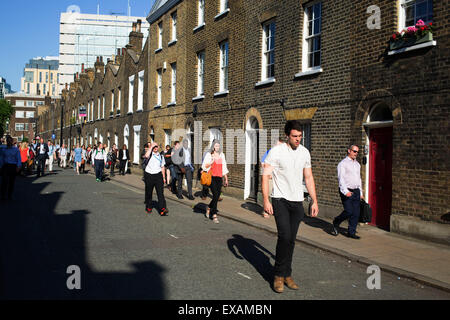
{"x":62,"y":220}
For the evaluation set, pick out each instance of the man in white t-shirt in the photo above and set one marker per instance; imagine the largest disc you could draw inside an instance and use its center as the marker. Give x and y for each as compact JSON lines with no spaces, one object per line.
{"x":288,"y":163}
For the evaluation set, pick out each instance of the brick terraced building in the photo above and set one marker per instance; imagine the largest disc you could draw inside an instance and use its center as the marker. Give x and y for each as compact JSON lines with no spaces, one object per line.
{"x":238,"y":69}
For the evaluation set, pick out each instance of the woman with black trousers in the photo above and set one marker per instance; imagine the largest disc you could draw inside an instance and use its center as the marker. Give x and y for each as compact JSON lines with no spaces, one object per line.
{"x":124,"y":156}
{"x":154,"y":177}
{"x":215,"y":163}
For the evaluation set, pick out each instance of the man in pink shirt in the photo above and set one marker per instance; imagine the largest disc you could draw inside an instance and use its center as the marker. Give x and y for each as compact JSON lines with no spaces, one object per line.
{"x":350,"y":191}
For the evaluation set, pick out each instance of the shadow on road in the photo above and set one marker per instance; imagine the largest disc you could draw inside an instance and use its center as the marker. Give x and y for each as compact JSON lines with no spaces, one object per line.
{"x":254,"y":253}
{"x":37,"y":246}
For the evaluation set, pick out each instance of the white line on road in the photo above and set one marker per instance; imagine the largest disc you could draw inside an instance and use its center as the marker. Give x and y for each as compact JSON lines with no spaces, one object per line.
{"x":173,"y":236}
{"x":241,"y":274}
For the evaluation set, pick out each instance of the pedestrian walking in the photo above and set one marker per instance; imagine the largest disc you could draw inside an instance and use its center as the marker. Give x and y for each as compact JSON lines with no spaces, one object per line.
{"x":63,"y":156}
{"x":41,"y":156}
{"x":83,"y":159}
{"x":215,"y":163}
{"x":10,"y":164}
{"x":182,"y":158}
{"x":124,"y":156}
{"x":24,"y":156}
{"x":72,"y":159}
{"x":288,"y":164}
{"x":154,"y":177}
{"x":280,"y":141}
{"x":99,"y":160}
{"x":350,"y":191}
{"x":112,"y":159}
{"x":167,"y":154}
{"x":78,"y":157}
{"x":51,"y":156}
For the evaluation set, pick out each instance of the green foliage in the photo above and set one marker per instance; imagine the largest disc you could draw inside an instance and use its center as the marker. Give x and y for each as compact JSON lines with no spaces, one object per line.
{"x":6,"y":110}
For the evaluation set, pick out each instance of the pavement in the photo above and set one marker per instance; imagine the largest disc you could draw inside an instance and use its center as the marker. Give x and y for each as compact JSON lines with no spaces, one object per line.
{"x":425,"y":262}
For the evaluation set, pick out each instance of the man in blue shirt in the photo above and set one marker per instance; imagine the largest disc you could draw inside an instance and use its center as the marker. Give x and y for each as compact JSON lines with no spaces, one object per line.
{"x":10,"y":163}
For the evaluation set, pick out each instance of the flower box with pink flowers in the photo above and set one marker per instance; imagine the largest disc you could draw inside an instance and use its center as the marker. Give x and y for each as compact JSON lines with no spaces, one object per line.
{"x":411,"y":36}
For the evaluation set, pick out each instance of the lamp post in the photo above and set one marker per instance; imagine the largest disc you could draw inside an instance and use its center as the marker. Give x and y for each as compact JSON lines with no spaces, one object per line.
{"x":62,"y":118}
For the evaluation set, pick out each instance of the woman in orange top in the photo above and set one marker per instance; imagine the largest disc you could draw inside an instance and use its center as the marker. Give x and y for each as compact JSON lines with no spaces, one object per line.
{"x":24,"y":154}
{"x":215,"y":161}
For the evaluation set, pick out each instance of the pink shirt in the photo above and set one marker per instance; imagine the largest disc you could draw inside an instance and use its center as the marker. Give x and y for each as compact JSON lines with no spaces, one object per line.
{"x":349,"y":175}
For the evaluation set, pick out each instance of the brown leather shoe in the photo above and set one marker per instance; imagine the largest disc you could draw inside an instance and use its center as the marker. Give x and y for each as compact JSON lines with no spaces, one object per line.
{"x":278,"y":285}
{"x":290,"y":283}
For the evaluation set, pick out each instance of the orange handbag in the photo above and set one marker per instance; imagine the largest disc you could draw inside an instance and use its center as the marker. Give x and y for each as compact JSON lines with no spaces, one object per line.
{"x":206,"y":178}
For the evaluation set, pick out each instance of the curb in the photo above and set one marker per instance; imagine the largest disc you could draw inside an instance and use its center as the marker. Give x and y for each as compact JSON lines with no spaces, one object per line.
{"x":359,"y":259}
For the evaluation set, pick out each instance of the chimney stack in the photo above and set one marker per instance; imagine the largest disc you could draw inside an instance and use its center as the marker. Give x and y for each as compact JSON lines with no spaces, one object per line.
{"x":136,"y":38}
{"x":99,"y":66}
{"x":82,"y":68}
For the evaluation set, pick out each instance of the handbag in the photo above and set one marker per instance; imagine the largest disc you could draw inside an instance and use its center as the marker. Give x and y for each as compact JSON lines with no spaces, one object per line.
{"x":183,"y":170}
{"x":365,"y":213}
{"x":205,"y":178}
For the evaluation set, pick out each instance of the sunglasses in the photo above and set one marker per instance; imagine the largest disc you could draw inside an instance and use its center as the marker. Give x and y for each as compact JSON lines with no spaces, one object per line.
{"x":355,"y":151}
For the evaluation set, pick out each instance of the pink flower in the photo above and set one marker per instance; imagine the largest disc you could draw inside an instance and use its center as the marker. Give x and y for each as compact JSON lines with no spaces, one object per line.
{"x":420,"y":23}
{"x":412,"y":29}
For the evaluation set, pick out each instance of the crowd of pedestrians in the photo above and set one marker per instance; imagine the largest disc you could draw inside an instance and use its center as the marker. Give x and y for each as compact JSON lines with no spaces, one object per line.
{"x":285,"y":167}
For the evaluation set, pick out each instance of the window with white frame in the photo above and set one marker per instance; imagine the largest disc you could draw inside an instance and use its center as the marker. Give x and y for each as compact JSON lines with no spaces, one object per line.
{"x":174,"y":26}
{"x":215,"y":134}
{"x":20,"y":103}
{"x":167,"y":137}
{"x":98,"y":108}
{"x":20,"y":127}
{"x":201,"y":12}
{"x":30,"y":103}
{"x":412,"y":11}
{"x":141,"y":90}
{"x":119,"y":96}
{"x":20,"y":114}
{"x":173,"y":90}
{"x":268,"y":54}
{"x":113,"y":104}
{"x":159,"y":89}
{"x":223,"y":5}
{"x":223,"y":79}
{"x":104,"y":106}
{"x":200,"y":72}
{"x":160,"y":35}
{"x":131,"y":94}
{"x":29,"y":114}
{"x":312,"y":53}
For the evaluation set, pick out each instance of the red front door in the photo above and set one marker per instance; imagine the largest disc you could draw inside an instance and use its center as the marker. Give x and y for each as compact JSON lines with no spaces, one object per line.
{"x":380,"y":186}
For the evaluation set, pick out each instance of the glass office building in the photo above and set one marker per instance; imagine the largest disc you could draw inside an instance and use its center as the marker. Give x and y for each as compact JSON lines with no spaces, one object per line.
{"x":83,"y":37}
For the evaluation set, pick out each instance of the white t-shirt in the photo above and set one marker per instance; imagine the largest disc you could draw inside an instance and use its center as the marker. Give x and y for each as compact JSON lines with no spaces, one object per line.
{"x":155,"y":164}
{"x":287,"y":175}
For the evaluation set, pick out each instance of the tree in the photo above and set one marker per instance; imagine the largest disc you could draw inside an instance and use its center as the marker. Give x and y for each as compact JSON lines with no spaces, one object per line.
{"x":6,"y":110}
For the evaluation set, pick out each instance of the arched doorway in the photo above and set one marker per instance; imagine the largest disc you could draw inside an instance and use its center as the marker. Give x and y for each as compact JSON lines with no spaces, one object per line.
{"x":252,"y":162}
{"x":379,"y":170}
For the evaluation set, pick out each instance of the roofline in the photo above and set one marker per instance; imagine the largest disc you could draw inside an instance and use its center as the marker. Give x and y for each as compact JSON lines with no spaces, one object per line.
{"x":152,"y":17}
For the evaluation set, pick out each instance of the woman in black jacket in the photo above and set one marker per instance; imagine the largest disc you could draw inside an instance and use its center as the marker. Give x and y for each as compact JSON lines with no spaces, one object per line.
{"x":124,"y":156}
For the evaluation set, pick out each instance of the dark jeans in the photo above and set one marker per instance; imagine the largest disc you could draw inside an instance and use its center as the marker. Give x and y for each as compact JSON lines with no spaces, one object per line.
{"x":351,"y":210}
{"x":288,"y":215}
{"x":154,"y":181}
{"x":113,"y":164}
{"x":41,"y":165}
{"x":9,"y":172}
{"x":122,"y":166}
{"x":216,"y":188}
{"x":205,"y":191}
{"x":188,"y":175}
{"x":99,"y":167}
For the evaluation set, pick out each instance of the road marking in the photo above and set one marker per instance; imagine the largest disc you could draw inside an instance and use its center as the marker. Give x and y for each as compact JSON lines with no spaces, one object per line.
{"x":241,"y":274}
{"x":173,"y":236}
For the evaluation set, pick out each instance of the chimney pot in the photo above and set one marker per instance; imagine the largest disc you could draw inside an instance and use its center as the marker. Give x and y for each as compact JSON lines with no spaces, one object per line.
{"x":139,"y":25}
{"x":101,"y":58}
{"x":98,"y":59}
{"x":82,"y":68}
{"x":134,"y":26}
{"x":118,"y":51}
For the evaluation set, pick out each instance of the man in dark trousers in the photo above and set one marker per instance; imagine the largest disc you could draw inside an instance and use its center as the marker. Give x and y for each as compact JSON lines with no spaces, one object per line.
{"x":154,"y":177}
{"x":350,"y":192}
{"x":41,"y":156}
{"x":288,"y":163}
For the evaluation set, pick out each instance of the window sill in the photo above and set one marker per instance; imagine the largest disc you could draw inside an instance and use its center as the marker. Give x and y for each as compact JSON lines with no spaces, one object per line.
{"x":171,"y":43}
{"x":157,"y":106}
{"x":130,"y":112}
{"x":198,"y":98}
{"x":265,"y":82}
{"x":412,"y":48}
{"x":221,"y":93}
{"x":222,"y":14}
{"x":139,"y":110}
{"x":158,"y":50}
{"x":197,"y":28}
{"x":308,"y":73}
{"x":171,"y":104}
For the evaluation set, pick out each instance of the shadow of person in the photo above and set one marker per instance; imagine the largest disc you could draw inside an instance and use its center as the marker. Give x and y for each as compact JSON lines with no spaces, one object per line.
{"x":254,"y":253}
{"x":254,"y":207}
{"x":319,"y":223}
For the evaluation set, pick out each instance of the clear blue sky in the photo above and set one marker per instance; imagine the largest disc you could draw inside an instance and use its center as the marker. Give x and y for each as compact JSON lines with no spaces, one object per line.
{"x":30,"y":28}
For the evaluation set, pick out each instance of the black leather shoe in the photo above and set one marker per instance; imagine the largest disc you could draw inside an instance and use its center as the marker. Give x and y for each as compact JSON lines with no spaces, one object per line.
{"x":191,"y":198}
{"x":179,"y":196}
{"x":353,"y":236}
{"x":334,"y":230}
